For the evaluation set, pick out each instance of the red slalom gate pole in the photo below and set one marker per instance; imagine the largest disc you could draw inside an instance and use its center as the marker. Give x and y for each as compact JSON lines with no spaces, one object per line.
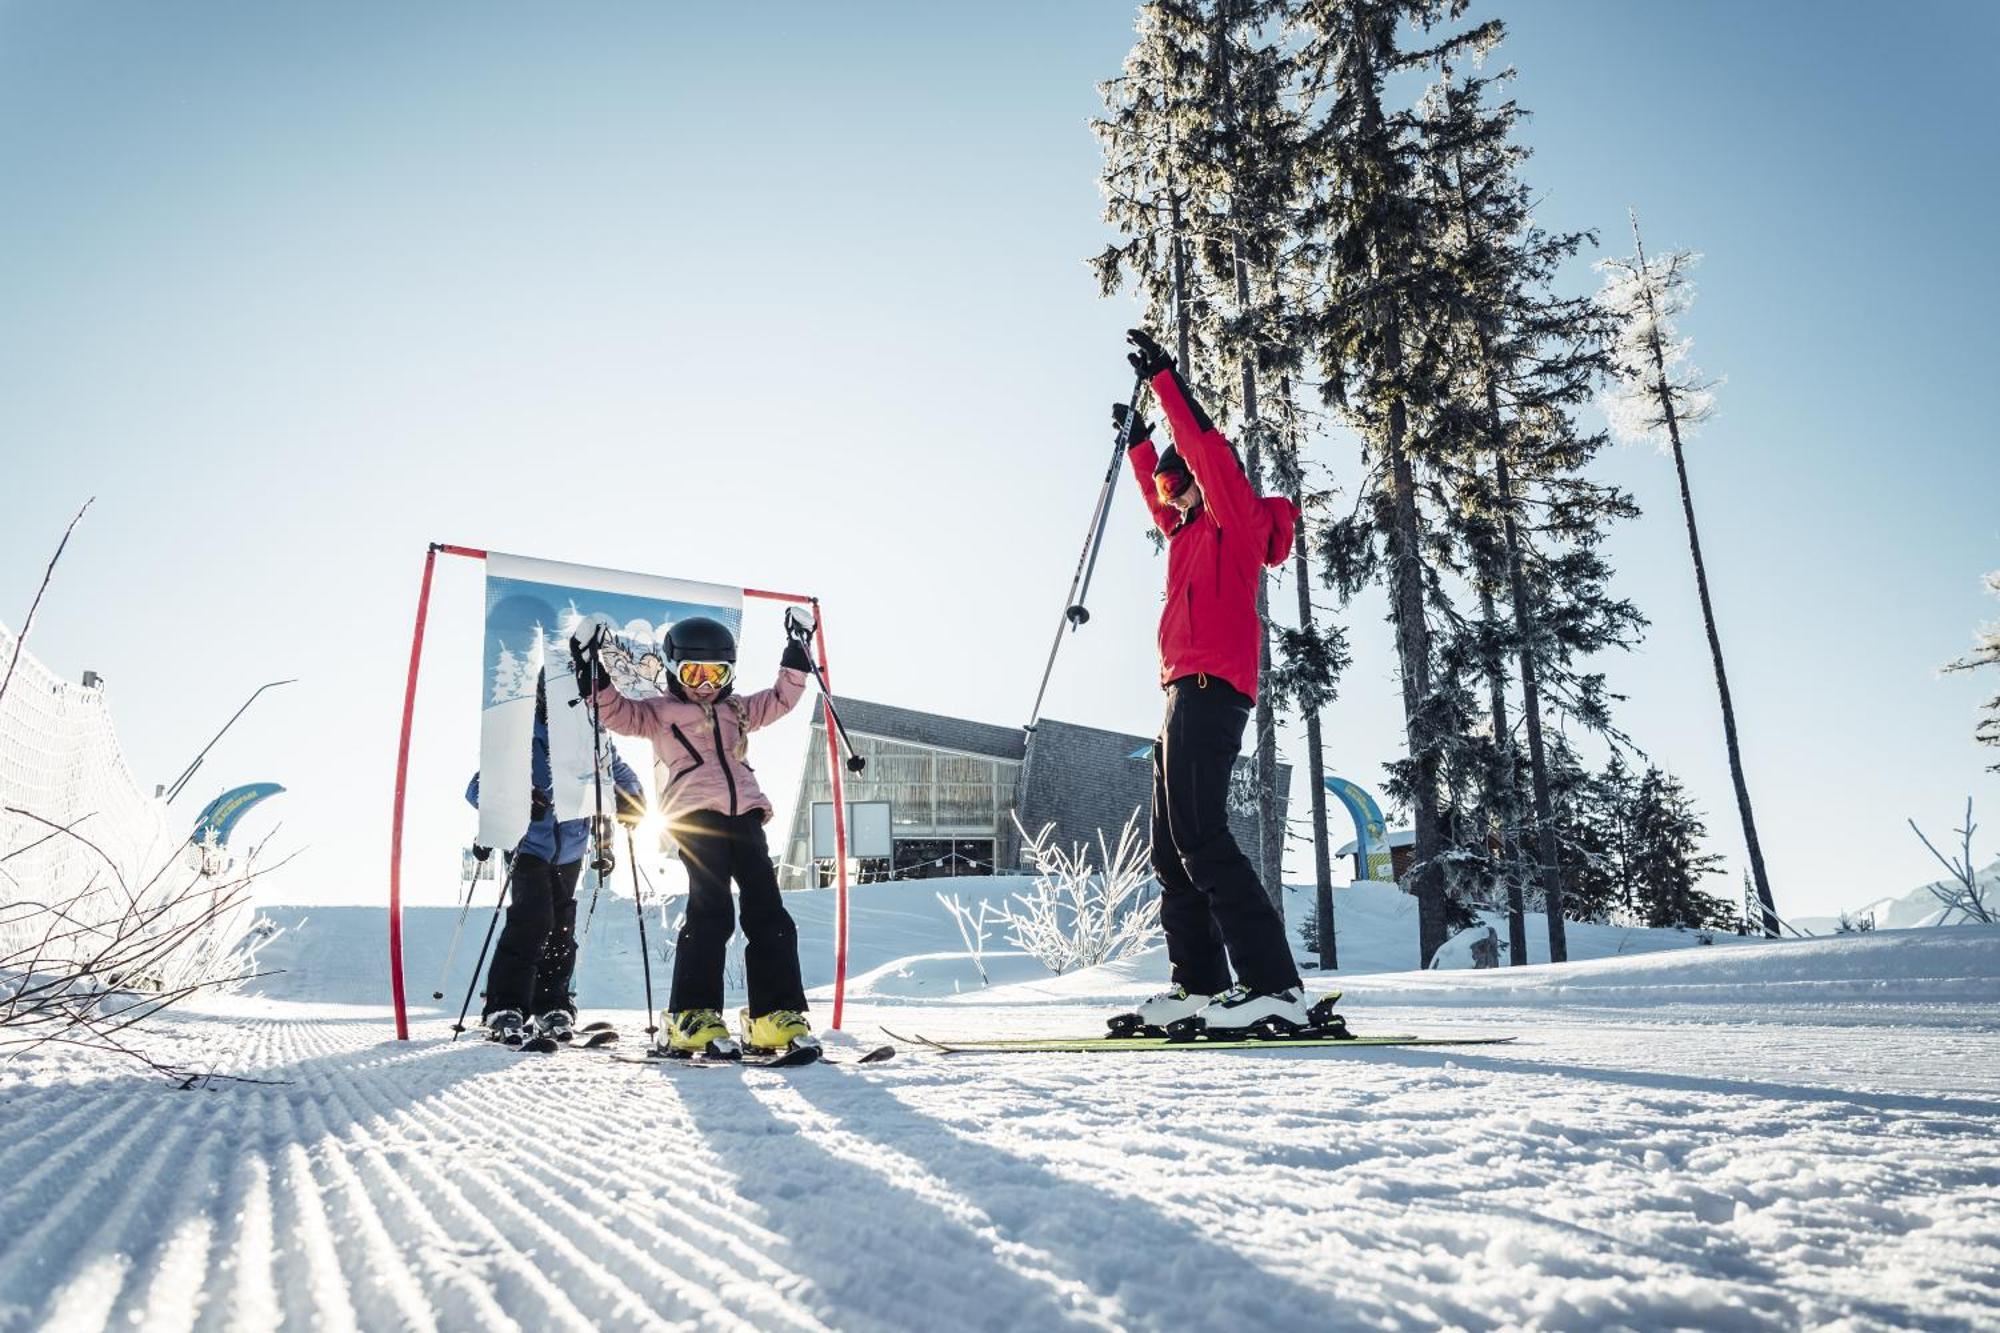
{"x":402,"y":779}
{"x":396,"y":824}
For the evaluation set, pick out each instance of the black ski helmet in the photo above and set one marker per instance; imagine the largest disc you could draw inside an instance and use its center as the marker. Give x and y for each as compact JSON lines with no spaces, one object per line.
{"x":698,"y":639}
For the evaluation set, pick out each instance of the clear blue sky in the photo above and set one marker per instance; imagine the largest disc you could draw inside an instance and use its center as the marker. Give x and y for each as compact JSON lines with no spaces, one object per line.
{"x":792,"y":296}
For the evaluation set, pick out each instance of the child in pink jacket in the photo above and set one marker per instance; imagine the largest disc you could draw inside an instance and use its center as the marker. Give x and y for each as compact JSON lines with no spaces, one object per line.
{"x":716,"y":814}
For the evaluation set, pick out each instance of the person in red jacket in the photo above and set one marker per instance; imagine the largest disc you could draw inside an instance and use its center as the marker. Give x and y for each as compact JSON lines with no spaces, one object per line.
{"x":1220,"y":534}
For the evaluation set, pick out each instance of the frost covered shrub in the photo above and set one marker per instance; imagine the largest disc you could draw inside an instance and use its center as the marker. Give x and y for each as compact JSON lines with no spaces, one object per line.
{"x":972,"y":928}
{"x":1074,"y":917}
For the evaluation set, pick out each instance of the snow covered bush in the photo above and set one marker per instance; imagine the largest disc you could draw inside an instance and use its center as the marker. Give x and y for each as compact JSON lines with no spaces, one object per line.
{"x":1075,"y":917}
{"x":972,"y":928}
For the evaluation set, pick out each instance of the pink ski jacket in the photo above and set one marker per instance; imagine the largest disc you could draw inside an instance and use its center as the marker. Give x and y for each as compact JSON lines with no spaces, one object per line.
{"x":701,"y":751}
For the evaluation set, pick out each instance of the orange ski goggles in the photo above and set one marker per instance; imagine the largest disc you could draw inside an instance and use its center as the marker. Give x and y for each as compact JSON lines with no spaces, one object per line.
{"x":694,"y":675}
{"x":1171,"y":485}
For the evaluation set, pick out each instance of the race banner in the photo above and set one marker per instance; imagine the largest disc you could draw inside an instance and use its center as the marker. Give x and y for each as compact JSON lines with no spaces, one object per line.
{"x":218,"y":819}
{"x":1371,"y":836}
{"x":533,"y":608}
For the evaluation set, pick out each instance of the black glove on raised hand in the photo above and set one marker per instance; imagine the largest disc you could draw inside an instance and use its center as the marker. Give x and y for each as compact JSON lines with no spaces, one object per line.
{"x":796,"y":658}
{"x":631,"y":809}
{"x":480,"y":854}
{"x":581,"y":661}
{"x":1151,"y":358}
{"x":1142,"y":429}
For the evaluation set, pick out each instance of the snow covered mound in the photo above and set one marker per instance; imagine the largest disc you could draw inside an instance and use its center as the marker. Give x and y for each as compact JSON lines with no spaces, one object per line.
{"x":1927,"y":966}
{"x":902,"y":944}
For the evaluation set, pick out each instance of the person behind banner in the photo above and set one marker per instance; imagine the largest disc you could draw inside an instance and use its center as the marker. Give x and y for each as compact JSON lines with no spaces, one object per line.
{"x":1220,"y":534}
{"x":716,"y":813}
{"x":528,"y":988}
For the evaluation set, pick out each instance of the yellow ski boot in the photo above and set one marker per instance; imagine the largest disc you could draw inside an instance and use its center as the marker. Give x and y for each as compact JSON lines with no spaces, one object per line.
{"x":778,"y":1030}
{"x":698,"y":1032}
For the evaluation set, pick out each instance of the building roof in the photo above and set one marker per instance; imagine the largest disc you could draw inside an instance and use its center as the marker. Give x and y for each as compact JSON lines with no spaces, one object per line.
{"x":888,"y":722}
{"x":1401,"y":837}
{"x":1084,"y":780}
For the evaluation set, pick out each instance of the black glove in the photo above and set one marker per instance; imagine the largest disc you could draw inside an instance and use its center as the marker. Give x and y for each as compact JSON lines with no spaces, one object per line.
{"x":796,"y":656}
{"x":582,"y":660}
{"x":540,"y":805}
{"x":480,"y":854}
{"x":631,"y":809}
{"x":1151,"y":358}
{"x":1142,"y":429}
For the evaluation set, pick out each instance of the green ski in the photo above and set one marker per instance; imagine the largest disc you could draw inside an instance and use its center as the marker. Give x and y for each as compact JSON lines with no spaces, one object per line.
{"x":1145,"y":1045}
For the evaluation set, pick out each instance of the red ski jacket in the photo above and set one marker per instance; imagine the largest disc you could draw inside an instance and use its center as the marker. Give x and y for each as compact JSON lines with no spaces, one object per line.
{"x":1209,"y":623}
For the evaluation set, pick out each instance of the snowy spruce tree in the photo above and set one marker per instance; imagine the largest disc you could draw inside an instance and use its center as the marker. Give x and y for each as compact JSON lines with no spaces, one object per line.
{"x":1531,"y":520}
{"x":1375,"y":330}
{"x":1667,"y":863}
{"x":1312,"y":657}
{"x":1200,"y":139}
{"x":1657,"y":395}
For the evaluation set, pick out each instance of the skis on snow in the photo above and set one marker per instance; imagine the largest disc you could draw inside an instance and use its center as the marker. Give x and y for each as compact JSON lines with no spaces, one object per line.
{"x":1147,"y":1045}
{"x":1324,"y":1028}
{"x":726,"y":1052}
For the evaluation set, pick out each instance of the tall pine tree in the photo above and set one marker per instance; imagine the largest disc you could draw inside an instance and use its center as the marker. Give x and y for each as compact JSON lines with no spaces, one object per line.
{"x":1373,"y":328}
{"x":1656,"y":395}
{"x":1534,"y":521}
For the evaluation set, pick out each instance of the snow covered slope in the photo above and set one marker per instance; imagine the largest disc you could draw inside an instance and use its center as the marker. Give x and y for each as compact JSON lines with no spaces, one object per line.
{"x":1675,"y":1141}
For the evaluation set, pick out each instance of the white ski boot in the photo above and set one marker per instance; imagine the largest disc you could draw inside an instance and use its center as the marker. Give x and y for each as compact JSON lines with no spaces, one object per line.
{"x":1240,"y":1012}
{"x":506,"y":1025}
{"x":559,"y":1024}
{"x":1152,"y":1018}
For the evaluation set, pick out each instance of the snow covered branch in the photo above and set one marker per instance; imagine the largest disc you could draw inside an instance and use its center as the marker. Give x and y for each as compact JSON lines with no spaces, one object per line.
{"x":80,"y":968}
{"x":972,"y":928}
{"x":1963,"y":893}
{"x":1075,"y":917}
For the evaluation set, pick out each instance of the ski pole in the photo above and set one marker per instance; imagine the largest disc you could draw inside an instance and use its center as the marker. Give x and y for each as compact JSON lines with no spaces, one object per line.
{"x":855,"y":762}
{"x":1075,"y":614}
{"x":645,"y":957}
{"x":450,"y":953}
{"x":480,"y":966}
{"x":590,"y":913}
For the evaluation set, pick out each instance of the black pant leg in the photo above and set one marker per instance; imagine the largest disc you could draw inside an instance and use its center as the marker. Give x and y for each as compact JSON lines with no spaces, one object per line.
{"x":1205,"y":725}
{"x":510,"y":982}
{"x":771,"y":948}
{"x":703,"y":945}
{"x":1195,"y":955}
{"x":558,"y":966}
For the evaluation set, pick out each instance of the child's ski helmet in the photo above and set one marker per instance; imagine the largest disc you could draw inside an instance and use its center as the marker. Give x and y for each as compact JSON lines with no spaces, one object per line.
{"x":698,"y":639}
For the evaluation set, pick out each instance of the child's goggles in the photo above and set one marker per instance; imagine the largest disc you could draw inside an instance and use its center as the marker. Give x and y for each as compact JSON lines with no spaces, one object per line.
{"x":694,"y":675}
{"x":1171,"y":484}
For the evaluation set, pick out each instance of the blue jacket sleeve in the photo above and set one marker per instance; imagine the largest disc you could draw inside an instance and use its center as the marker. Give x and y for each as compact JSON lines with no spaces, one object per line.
{"x":472,"y":792}
{"x":622,"y":775}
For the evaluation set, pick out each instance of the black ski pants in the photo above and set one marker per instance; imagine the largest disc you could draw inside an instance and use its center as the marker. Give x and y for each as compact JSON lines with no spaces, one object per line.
{"x":717,"y":848}
{"x":1213,"y":908}
{"x":536,"y":954}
